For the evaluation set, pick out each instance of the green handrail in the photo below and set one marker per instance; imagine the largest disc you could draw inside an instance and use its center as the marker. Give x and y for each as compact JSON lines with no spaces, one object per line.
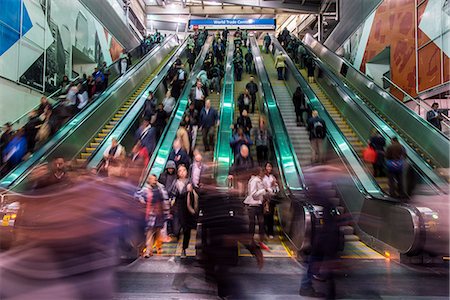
{"x":122,"y":128}
{"x":222,"y":152}
{"x":164,"y":146}
{"x":364,"y":181}
{"x":415,"y":130}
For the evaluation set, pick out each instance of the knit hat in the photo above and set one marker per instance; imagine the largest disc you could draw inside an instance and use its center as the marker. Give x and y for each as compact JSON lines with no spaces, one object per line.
{"x":170,"y":165}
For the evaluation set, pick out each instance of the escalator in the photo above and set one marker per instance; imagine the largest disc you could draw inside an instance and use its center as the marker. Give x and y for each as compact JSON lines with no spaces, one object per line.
{"x":80,"y":131}
{"x":164,"y":145}
{"x":431,"y":144}
{"x":123,"y":127}
{"x":382,"y":222}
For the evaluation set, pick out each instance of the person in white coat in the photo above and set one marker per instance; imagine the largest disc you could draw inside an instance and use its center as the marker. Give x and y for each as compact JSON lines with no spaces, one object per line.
{"x":123,"y":62}
{"x":113,"y":157}
{"x":254,"y":202}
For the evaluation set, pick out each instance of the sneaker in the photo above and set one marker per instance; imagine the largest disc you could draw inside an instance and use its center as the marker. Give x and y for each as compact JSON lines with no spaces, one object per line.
{"x":147,"y":255}
{"x":310,"y":292}
{"x":318,"y":277}
{"x":183,"y":253}
{"x":218,"y":93}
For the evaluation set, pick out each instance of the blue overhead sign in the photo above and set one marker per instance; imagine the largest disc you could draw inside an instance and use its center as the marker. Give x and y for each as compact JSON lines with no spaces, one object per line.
{"x":232,"y":23}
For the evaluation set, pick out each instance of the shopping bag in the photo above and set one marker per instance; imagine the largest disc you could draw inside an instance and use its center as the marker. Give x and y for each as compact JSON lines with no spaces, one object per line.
{"x":370,"y":155}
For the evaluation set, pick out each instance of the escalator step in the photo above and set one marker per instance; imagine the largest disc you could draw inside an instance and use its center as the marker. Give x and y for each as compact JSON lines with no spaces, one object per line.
{"x":102,"y":135}
{"x":347,"y":230}
{"x":109,"y":126}
{"x":90,"y":150}
{"x":116,"y":119}
{"x":98,"y":139}
{"x":351,"y":238}
{"x":81,"y":161}
{"x":106,"y":130}
{"x":85,"y":155}
{"x":94,"y":145}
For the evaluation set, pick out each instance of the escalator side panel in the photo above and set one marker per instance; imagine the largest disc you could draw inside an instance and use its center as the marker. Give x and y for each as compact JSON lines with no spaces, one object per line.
{"x":126,"y":127}
{"x":427,"y":137}
{"x":81,"y":129}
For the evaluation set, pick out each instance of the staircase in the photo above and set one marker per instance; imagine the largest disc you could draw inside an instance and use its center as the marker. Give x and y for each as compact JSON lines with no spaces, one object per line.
{"x":299,"y":136}
{"x":344,"y":127}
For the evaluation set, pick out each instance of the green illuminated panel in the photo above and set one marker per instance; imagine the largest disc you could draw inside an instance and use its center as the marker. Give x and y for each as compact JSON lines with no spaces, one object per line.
{"x":223,"y":155}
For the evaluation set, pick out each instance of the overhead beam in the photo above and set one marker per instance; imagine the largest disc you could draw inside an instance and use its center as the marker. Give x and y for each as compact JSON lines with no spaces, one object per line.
{"x":209,"y":10}
{"x":280,"y":5}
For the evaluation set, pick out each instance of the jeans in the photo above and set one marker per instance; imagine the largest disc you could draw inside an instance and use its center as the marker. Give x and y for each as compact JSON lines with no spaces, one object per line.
{"x":396,"y":183}
{"x":256,"y":212}
{"x":280,"y":73}
{"x":249,"y":67}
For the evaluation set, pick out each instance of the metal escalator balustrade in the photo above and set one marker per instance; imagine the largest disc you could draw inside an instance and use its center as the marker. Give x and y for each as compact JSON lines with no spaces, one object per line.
{"x":355,"y":141}
{"x":362,"y":119}
{"x":140,"y":94}
{"x":164,"y":145}
{"x":123,"y":127}
{"x":417,"y":132}
{"x":222,"y":152}
{"x":78,"y":132}
{"x":400,"y":225}
{"x":292,"y":173}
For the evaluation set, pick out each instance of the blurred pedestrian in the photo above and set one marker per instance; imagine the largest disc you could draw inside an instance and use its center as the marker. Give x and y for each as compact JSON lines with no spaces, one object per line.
{"x":395,"y":164}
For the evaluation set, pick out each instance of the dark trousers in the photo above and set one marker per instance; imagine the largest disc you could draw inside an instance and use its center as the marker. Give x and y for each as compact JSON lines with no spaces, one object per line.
{"x":280,"y":73}
{"x":262,"y":154}
{"x":208,"y":137}
{"x":268,"y":218}
{"x":199,"y":104}
{"x":186,"y":237}
{"x":239,"y":73}
{"x":323,"y":265}
{"x":396,"y":183}
{"x":249,"y":67}
{"x":253,"y":97}
{"x":256,"y":212}
{"x":267,"y":47}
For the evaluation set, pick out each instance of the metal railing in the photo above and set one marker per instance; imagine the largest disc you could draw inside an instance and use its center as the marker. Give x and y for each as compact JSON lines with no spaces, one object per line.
{"x":420,"y":104}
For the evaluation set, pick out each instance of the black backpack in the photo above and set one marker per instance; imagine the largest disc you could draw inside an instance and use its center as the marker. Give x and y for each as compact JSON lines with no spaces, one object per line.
{"x":318,"y":130}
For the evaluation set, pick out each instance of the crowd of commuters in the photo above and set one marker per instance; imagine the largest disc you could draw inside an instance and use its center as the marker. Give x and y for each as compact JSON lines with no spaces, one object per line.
{"x":44,"y":121}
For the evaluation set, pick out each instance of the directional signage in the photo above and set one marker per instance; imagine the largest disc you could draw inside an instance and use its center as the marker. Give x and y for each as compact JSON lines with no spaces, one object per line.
{"x":232,"y":23}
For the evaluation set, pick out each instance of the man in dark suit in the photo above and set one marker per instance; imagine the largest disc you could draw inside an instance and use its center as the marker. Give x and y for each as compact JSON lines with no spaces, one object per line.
{"x":208,"y":121}
{"x":198,"y":95}
{"x":434,"y":116}
{"x":178,"y":155}
{"x":146,"y":134}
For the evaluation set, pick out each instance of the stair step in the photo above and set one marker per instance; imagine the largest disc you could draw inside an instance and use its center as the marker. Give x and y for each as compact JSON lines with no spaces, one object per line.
{"x":85,"y":155}
{"x":90,"y":149}
{"x":94,"y":145}
{"x":347,"y":230}
{"x":99,"y":139}
{"x":351,"y":238}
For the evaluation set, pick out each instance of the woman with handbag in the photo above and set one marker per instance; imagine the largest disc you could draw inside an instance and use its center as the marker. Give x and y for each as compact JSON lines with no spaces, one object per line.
{"x":185,"y":207}
{"x":254,"y":204}
{"x":271,"y":185}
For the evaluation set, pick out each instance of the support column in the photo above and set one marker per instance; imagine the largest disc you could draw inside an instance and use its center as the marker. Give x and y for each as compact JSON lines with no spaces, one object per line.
{"x":320,"y":27}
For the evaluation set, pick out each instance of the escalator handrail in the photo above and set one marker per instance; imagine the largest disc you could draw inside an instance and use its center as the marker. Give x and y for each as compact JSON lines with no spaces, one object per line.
{"x":366,"y":184}
{"x":122,"y":127}
{"x":159,"y":155}
{"x":438,"y":139}
{"x":25,"y":167}
{"x":417,"y":220}
{"x":267,"y":92}
{"x":420,"y":165}
{"x":223,"y":162}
